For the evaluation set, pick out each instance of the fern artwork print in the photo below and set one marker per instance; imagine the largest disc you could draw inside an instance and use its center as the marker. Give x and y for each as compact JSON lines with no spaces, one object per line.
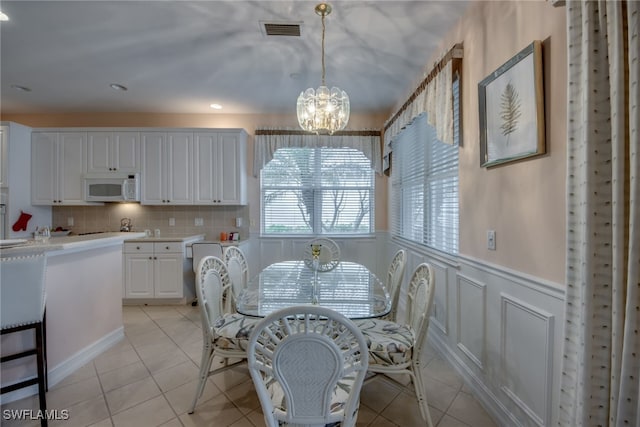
{"x":512,"y":109}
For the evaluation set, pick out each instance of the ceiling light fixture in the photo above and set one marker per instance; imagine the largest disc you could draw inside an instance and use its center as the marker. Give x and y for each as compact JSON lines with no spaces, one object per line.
{"x":216,"y":106}
{"x":21,"y":88}
{"x":116,"y":86}
{"x":323,"y":110}
{"x":3,"y":16}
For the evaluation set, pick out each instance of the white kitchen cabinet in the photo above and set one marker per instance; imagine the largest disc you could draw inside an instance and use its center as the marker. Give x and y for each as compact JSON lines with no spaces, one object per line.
{"x":219,"y":165}
{"x":154,"y":270}
{"x":166,"y":168}
{"x":58,"y":162}
{"x":110,"y":152}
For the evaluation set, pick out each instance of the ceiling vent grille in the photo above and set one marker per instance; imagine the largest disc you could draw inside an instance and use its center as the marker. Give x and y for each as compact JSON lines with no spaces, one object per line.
{"x":281,"y":29}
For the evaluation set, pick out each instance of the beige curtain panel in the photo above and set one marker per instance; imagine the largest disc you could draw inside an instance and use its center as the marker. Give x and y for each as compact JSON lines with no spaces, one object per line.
{"x":601,"y":360}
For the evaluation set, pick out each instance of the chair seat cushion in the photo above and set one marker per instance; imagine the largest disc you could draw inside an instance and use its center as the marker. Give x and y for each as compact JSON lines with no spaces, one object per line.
{"x":389,"y":343}
{"x":233,"y":331}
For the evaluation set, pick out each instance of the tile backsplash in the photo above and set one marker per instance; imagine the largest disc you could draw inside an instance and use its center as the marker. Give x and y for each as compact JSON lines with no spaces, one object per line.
{"x":215,"y":219}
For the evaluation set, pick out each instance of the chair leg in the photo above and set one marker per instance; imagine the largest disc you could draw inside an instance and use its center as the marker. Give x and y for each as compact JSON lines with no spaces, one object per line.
{"x":40,"y":360}
{"x":418,"y":384}
{"x":205,"y":366}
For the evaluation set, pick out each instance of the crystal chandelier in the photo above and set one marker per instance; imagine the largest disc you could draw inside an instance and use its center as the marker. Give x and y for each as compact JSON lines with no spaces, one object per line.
{"x":323,"y":110}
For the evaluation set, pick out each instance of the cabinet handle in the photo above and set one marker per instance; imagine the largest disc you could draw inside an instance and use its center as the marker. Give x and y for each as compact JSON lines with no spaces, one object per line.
{"x":167,"y":247}
{"x":150,"y":257}
{"x":155,"y":257}
{"x":138,"y":247}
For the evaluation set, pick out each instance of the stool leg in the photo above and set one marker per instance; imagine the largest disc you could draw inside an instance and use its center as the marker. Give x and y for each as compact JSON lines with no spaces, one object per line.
{"x":41,"y":375}
{"x":44,"y":350}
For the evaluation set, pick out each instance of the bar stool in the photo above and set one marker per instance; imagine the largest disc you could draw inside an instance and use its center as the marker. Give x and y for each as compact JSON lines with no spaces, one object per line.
{"x":22,"y":304}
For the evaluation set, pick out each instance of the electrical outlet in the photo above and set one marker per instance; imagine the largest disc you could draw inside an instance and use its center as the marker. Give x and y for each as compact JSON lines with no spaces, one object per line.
{"x":491,"y":240}
{"x":172,"y":222}
{"x":70,"y":221}
{"x":198,"y":222}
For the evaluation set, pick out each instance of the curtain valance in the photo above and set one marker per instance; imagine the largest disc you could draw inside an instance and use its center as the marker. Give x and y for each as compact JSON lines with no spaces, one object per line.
{"x":267,"y":141}
{"x":434,"y":97}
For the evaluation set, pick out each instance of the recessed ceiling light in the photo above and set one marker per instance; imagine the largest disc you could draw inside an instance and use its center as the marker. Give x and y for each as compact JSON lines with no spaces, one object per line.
{"x":216,"y":106}
{"x":116,"y":86}
{"x":3,"y":16}
{"x":21,"y":88}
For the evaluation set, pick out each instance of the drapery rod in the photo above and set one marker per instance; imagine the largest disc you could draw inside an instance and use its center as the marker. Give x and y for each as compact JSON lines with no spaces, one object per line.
{"x":301,"y":132}
{"x":454,"y":53}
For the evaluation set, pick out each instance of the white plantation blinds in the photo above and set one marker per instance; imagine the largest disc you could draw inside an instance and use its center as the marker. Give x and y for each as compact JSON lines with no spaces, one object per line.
{"x":317,"y":191}
{"x":424,"y":184}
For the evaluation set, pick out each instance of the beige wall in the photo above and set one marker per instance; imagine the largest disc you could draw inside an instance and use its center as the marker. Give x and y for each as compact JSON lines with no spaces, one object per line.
{"x":153,"y":217}
{"x":523,"y":202}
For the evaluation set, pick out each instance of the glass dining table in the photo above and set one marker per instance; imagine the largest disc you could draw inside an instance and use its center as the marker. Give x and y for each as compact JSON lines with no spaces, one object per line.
{"x":349,"y":288}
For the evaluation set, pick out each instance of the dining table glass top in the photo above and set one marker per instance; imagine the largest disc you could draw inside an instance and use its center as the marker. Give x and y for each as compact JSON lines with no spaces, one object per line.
{"x":349,"y":288}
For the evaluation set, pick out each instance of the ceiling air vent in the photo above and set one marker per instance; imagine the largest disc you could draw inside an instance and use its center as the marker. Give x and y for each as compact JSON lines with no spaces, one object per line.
{"x":281,"y":29}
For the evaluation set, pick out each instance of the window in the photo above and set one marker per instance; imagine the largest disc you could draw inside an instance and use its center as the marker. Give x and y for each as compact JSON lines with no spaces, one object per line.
{"x":424,"y":183}
{"x":317,"y":191}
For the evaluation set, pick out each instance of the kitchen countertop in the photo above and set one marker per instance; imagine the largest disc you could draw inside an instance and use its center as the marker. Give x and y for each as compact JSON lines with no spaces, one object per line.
{"x":167,"y":238}
{"x":69,"y":244}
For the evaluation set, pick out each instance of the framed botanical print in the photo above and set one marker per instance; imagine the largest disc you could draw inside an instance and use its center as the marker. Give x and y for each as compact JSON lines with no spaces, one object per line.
{"x":511,"y":103}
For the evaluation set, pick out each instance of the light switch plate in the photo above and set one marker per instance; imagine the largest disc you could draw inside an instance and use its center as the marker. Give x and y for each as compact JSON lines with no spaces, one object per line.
{"x":198,"y":222}
{"x":491,"y":240}
{"x":172,"y":222}
{"x":70,"y":221}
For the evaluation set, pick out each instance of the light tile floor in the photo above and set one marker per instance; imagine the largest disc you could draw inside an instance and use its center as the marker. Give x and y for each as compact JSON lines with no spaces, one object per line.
{"x":150,"y":377}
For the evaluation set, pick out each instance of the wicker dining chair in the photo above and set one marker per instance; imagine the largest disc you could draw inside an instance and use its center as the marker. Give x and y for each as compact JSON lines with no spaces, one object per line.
{"x":395,"y":275}
{"x":396,"y":348}
{"x":225,"y":335}
{"x":238,"y":269}
{"x":308,"y":364}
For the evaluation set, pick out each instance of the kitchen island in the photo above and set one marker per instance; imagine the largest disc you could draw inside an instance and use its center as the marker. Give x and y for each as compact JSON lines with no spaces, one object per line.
{"x":83,"y":283}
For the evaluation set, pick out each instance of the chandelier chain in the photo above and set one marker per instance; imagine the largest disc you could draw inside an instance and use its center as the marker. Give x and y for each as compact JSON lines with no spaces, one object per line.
{"x":323,"y":70}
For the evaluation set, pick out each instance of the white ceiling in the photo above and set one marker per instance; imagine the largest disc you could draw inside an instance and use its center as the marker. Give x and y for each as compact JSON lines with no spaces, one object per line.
{"x":181,"y":56}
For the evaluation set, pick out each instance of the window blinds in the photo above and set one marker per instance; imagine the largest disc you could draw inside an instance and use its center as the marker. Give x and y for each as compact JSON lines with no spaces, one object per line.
{"x":317,"y":191}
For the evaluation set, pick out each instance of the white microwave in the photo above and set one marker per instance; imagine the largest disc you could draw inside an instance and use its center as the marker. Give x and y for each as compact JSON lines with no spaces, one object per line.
{"x":112,"y":187}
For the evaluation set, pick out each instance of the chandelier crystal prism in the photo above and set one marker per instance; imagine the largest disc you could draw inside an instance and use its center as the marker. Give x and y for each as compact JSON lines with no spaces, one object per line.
{"x":323,"y":111}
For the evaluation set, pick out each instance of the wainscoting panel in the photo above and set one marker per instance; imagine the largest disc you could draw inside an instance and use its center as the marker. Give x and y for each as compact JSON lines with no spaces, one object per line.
{"x":471,"y":319}
{"x":527,"y":358}
{"x":439,"y":309}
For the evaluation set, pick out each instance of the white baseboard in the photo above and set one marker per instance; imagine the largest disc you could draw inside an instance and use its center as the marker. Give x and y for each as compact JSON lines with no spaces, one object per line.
{"x":69,"y":366}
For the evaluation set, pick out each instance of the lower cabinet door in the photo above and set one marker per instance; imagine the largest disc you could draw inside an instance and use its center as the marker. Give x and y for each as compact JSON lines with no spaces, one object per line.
{"x":168,"y":275}
{"x":139,"y":276}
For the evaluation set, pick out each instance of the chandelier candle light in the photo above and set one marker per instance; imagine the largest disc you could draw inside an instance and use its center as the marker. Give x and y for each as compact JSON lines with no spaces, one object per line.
{"x":323,"y":110}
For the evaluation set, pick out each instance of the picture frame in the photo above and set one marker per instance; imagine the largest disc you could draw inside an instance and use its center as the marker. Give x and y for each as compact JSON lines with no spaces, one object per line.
{"x":511,"y":104}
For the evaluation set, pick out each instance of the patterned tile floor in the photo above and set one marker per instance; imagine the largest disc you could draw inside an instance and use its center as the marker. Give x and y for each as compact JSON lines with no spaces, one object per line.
{"x":150,"y":377}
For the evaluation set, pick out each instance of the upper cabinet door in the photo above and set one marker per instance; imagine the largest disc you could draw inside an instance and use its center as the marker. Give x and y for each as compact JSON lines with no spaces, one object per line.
{"x":4,"y":143}
{"x":44,"y":168}
{"x":126,"y":151}
{"x":219,"y":168}
{"x":58,"y":162}
{"x":72,"y":165}
{"x":113,"y":152}
{"x":179,"y":151}
{"x":152,"y":185}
